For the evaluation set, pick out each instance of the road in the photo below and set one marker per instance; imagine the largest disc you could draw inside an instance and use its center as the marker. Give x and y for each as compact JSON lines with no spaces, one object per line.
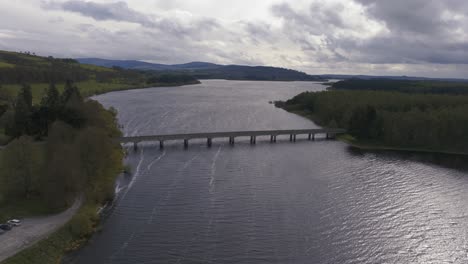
{"x":33,"y":230}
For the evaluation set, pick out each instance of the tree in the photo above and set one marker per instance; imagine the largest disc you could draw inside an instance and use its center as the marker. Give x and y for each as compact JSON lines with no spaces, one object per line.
{"x":51,"y":99}
{"x":48,"y":111}
{"x":22,"y":117}
{"x":27,"y":95}
{"x":362,"y":122}
{"x":70,"y":94}
{"x":62,"y":167}
{"x":21,"y":161}
{"x":72,"y":106}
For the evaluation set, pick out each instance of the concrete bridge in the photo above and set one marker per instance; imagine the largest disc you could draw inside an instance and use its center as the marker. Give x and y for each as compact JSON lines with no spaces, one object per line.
{"x":272,"y":134}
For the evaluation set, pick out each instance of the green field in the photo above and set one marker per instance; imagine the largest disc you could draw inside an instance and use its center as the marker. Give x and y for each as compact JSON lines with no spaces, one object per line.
{"x":87,"y":88}
{"x":6,"y":65}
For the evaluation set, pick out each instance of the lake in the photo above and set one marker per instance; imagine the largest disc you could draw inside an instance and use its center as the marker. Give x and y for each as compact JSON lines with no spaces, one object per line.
{"x":303,"y":202}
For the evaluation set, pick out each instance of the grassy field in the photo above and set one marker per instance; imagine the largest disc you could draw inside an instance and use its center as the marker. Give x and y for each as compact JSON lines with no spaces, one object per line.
{"x":6,"y":65}
{"x":87,"y":88}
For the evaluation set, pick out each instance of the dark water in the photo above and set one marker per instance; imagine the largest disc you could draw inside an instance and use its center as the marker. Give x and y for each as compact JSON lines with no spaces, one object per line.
{"x":308,"y":202}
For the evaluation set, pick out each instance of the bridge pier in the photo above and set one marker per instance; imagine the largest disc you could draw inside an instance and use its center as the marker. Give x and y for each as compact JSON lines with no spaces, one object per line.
{"x":161,"y":144}
{"x":231,"y":141}
{"x":209,"y":142}
{"x":273,"y":139}
{"x":294,"y":138}
{"x":186,"y":143}
{"x":135,"y":146}
{"x":253,"y":140}
{"x":291,"y":137}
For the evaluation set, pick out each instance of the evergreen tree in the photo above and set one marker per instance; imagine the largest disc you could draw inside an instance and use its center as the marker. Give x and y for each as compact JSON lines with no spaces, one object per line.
{"x":26,"y":93}
{"x":71,"y":94}
{"x":72,"y":106}
{"x":22,"y":117}
{"x":51,"y":99}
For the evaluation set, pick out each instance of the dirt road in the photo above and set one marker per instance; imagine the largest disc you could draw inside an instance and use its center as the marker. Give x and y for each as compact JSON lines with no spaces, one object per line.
{"x":33,"y":230}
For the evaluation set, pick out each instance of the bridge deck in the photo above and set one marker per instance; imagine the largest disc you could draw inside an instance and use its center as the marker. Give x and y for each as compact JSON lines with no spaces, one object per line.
{"x":234,"y":134}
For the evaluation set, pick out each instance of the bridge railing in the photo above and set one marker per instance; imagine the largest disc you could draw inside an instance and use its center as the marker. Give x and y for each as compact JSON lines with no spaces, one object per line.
{"x":232,"y":135}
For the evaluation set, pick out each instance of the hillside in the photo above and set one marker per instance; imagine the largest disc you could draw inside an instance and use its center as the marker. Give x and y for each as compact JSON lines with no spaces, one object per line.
{"x":17,"y":69}
{"x":205,"y":70}
{"x":141,"y":65}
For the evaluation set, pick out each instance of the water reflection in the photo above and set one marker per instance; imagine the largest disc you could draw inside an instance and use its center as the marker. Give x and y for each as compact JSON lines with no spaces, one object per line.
{"x":303,"y":202}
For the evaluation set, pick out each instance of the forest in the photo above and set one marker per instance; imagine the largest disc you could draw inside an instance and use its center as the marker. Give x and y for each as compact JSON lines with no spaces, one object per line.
{"x":431,"y":122}
{"x":259,"y":73}
{"x":62,"y":148}
{"x":406,"y":86}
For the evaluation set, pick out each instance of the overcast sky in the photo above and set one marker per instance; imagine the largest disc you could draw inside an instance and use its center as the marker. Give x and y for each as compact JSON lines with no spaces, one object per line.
{"x":392,"y":37}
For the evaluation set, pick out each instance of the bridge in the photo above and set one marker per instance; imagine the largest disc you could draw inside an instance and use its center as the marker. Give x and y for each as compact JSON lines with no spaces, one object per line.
{"x":272,"y":134}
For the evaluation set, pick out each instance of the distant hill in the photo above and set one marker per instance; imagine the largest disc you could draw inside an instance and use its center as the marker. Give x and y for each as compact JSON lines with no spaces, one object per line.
{"x":205,"y":70}
{"x":141,"y":65}
{"x":399,"y":78}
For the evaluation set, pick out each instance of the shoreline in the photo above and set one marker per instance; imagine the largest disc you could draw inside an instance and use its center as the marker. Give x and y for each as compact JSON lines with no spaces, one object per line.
{"x":141,"y":87}
{"x":375,"y":147}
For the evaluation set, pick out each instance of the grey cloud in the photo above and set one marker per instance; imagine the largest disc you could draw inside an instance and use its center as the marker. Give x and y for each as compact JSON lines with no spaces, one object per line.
{"x":316,"y":20}
{"x":259,"y":32}
{"x":418,"y":31}
{"x":416,"y":16}
{"x":118,"y":11}
{"x":319,"y":21}
{"x":179,"y":29}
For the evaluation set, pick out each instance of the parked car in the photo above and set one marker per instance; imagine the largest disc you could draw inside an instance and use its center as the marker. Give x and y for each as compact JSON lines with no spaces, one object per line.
{"x":14,"y":222}
{"x":5,"y":227}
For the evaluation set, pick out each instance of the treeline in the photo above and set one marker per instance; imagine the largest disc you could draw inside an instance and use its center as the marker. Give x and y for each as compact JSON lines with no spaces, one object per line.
{"x":63,"y":148}
{"x":425,"y":87}
{"x":260,"y":73}
{"x":430,"y":122}
{"x":170,"y":78}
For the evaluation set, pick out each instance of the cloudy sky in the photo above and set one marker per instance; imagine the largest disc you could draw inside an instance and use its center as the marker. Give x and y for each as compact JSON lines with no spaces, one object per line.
{"x":393,"y":37}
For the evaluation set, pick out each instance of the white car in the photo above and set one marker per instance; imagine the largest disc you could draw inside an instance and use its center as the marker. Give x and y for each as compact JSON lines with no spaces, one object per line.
{"x":14,"y":222}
